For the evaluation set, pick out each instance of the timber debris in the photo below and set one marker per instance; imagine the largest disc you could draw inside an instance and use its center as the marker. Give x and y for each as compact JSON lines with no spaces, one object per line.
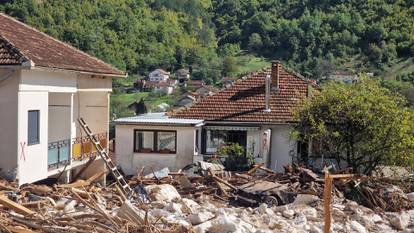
{"x":203,"y":197}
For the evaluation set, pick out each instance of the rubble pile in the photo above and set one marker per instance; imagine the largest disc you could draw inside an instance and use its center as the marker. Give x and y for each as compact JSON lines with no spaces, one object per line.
{"x":205,"y":198}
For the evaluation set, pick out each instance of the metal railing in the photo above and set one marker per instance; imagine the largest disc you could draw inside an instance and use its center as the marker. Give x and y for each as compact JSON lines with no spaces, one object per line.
{"x":58,"y":153}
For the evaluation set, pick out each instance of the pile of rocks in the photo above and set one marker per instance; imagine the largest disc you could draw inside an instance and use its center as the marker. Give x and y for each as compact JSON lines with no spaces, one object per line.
{"x":205,"y":214}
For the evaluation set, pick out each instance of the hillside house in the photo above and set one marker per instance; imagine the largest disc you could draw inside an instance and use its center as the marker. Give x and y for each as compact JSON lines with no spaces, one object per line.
{"x":45,"y":86}
{"x":342,"y":76}
{"x":205,"y":91}
{"x":182,"y":76}
{"x":158,"y":75}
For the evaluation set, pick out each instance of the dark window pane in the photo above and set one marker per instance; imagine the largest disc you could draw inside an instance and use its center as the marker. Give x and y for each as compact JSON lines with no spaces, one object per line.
{"x":144,"y":141}
{"x":33,"y":127}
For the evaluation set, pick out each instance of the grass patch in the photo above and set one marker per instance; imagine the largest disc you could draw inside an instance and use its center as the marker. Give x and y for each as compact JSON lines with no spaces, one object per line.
{"x":248,"y":63}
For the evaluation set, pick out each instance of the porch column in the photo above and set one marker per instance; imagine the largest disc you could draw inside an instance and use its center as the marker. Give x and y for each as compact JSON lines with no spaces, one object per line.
{"x":199,"y":142}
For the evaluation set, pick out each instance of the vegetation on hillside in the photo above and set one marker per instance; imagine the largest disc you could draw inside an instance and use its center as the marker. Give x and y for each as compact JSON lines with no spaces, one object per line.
{"x":208,"y":35}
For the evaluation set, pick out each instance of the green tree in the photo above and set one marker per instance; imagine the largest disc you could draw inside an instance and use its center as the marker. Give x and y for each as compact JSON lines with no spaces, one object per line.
{"x":236,"y":159}
{"x":362,"y":124}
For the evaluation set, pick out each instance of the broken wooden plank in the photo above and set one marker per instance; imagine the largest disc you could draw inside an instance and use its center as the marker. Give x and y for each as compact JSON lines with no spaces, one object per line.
{"x":5,"y":201}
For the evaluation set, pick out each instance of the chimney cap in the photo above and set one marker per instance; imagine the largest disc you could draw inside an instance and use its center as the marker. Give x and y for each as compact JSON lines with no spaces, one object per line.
{"x":275,"y":61}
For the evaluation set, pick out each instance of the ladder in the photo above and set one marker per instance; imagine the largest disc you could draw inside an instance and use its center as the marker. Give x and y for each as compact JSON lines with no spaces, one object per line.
{"x":108,"y":161}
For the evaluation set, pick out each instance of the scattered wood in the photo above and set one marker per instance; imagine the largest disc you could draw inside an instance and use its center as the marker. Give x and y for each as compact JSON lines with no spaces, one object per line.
{"x":5,"y":201}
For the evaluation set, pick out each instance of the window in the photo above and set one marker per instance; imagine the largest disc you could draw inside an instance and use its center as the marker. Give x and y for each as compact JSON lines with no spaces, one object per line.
{"x":215,"y":139}
{"x":33,"y":134}
{"x":155,"y":141}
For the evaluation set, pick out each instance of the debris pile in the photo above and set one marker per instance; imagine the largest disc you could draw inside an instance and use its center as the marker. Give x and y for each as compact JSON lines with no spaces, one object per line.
{"x":204,"y":197}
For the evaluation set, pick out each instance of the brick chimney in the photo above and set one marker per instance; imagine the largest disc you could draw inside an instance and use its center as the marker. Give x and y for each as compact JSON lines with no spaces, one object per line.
{"x":276,"y":66}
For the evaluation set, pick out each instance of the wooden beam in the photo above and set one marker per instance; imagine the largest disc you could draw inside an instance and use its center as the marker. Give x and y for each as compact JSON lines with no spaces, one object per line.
{"x":83,"y":169}
{"x":327,"y":203}
{"x":5,"y":201}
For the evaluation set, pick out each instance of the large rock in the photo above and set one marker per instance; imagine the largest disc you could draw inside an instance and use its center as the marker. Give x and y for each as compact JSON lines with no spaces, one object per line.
{"x":162,"y":192}
{"x":399,"y":221}
{"x":305,"y":199}
{"x":356,"y":226}
{"x":289,"y":214}
{"x":410,"y":196}
{"x":190,"y":205}
{"x":310,"y":213}
{"x":200,"y":217}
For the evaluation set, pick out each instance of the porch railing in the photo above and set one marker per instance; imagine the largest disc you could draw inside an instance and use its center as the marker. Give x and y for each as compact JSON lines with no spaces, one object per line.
{"x":58,"y":153}
{"x":82,"y":147}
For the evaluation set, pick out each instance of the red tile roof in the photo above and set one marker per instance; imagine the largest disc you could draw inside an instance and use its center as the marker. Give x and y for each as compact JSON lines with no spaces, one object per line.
{"x":244,"y":101}
{"x":20,"y":42}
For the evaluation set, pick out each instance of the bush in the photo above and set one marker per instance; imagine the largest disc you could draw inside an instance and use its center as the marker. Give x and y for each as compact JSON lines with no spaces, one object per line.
{"x":236,"y":159}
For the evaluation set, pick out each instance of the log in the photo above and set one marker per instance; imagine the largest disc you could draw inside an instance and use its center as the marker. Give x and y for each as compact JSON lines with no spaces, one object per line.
{"x":5,"y":201}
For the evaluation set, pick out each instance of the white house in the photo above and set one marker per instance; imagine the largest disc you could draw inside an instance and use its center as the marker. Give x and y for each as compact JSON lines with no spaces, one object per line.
{"x":156,"y":141}
{"x":158,"y":75}
{"x":45,"y":86}
{"x":255,"y":112}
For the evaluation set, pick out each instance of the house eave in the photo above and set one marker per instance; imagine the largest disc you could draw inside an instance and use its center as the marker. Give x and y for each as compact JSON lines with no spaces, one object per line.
{"x":80,"y":72}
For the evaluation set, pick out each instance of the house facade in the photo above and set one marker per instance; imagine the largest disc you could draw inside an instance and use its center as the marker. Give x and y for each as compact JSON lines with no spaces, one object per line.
{"x":255,"y":112}
{"x":154,"y":141}
{"x":158,"y":75}
{"x":45,"y":86}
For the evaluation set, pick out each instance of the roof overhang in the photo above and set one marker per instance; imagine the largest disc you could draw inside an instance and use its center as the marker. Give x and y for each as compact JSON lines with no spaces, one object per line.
{"x":79,"y":72}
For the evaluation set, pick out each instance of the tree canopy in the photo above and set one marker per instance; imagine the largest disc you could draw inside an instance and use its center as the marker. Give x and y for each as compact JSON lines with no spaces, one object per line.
{"x":139,"y":35}
{"x":363,"y":125}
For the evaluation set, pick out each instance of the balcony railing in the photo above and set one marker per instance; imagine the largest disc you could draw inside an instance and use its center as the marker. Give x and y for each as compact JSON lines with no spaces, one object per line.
{"x":82,"y":147}
{"x":58,"y":153}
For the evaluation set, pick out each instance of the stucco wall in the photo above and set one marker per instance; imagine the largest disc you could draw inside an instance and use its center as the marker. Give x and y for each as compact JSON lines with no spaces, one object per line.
{"x":93,"y":107}
{"x":132,"y":162}
{"x":282,"y":147}
{"x":33,"y":165}
{"x":8,"y":120}
{"x":59,"y":126}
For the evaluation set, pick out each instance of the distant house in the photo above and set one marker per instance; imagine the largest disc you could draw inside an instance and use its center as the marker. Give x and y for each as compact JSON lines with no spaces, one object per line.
{"x":226,"y":81}
{"x":205,"y":91}
{"x":158,"y":75}
{"x":182,"y":76}
{"x":45,"y":86}
{"x":185,"y":101}
{"x":342,"y":76}
{"x":157,"y":87}
{"x":255,"y":112}
{"x":194,"y":84}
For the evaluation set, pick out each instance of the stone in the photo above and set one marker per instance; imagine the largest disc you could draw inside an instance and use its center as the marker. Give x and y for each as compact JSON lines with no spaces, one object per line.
{"x":300,"y":220}
{"x":306,"y":199}
{"x":358,"y":227}
{"x":222,"y":225}
{"x":200,"y":217}
{"x":262,"y":209}
{"x":376,"y":218}
{"x":289,"y":214}
{"x":410,"y":196}
{"x":162,"y":192}
{"x":175,"y":208}
{"x":159,"y":213}
{"x":399,"y":221}
{"x":310,"y":213}
{"x":315,"y":229}
{"x":191,"y":205}
{"x":203,"y":227}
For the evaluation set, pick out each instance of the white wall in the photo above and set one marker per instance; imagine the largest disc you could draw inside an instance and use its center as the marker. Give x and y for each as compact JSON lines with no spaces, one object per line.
{"x":93,"y":107}
{"x":282,"y":147}
{"x":8,"y":120}
{"x":33,"y":166}
{"x":37,"y":80}
{"x":132,"y":162}
{"x":59,"y":127}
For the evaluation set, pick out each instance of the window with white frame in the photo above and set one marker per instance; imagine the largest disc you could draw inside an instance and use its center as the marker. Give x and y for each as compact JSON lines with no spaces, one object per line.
{"x":33,"y":128}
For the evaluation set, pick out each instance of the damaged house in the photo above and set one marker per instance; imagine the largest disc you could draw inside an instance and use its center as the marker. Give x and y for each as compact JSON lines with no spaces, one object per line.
{"x":255,"y":112}
{"x":45,"y":86}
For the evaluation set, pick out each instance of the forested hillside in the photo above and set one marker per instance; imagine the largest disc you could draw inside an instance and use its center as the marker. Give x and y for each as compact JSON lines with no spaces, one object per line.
{"x":312,"y":36}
